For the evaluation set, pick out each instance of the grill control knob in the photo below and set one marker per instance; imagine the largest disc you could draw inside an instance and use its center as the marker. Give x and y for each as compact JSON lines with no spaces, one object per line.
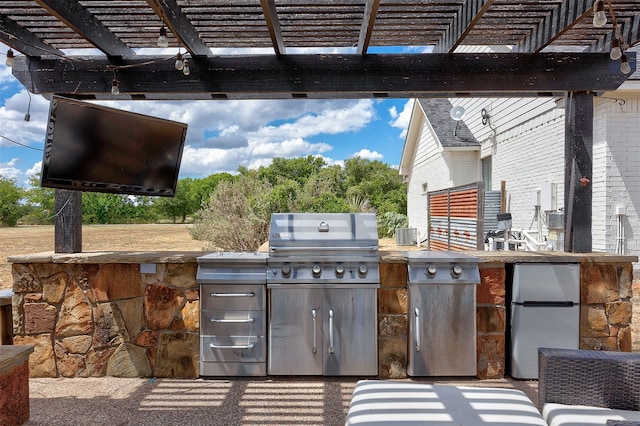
{"x":286,"y":271}
{"x":339,"y":271}
{"x":431,"y":270}
{"x":362,"y":270}
{"x":456,"y":271}
{"x":316,"y":271}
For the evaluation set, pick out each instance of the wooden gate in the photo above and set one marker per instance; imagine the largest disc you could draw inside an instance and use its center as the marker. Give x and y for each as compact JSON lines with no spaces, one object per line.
{"x":456,"y":218}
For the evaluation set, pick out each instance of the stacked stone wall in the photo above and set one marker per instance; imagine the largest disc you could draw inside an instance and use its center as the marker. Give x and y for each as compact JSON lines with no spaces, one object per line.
{"x":96,"y":319}
{"x":606,"y":306}
{"x":91,"y":320}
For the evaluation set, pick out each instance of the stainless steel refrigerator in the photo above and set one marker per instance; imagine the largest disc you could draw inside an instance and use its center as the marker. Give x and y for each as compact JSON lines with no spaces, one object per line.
{"x":545,"y":312}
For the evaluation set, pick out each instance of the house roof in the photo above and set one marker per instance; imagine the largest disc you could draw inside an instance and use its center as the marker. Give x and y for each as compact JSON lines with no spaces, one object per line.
{"x":554,"y":47}
{"x":450,"y":133}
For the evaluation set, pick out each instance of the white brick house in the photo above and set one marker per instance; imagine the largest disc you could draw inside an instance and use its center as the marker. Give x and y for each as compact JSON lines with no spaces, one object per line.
{"x":520,"y":141}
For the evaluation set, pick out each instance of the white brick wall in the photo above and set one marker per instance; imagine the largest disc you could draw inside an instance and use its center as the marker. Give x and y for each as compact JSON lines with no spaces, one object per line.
{"x":616,"y":165}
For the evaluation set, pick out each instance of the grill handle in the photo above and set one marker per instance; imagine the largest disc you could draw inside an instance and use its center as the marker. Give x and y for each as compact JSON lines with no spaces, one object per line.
{"x":331,"y":350}
{"x":250,"y":294}
{"x":233,"y":321}
{"x":324,"y":248}
{"x":314,"y":314}
{"x":249,"y":346}
{"x":417,"y":329}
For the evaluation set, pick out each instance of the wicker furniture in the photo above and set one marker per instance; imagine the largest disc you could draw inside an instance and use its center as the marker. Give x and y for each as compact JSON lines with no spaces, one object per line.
{"x":588,"y":387}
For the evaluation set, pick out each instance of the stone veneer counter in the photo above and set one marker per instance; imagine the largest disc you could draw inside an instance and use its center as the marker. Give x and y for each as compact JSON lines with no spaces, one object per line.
{"x":136,"y":314}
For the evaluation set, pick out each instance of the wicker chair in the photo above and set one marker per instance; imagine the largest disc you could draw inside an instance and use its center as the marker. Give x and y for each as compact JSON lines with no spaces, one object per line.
{"x":592,"y":378}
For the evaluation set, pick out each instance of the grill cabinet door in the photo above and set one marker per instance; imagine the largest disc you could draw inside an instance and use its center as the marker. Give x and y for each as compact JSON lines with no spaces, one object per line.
{"x":295,"y":332}
{"x":442,"y":333}
{"x":350,"y":332}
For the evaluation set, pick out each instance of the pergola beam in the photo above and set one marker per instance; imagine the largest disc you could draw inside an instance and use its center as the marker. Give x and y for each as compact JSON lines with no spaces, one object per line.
{"x":327,"y":76}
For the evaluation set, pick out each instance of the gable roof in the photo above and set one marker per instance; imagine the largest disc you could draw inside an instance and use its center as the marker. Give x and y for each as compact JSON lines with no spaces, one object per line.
{"x":450,"y":133}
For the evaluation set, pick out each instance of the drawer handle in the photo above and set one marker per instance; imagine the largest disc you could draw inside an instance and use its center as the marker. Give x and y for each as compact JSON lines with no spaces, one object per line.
{"x":233,"y":321}
{"x":249,"y":346}
{"x":250,"y":294}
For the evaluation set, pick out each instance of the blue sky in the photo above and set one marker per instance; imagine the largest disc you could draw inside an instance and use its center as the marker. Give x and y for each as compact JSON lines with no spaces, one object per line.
{"x":224,"y":135}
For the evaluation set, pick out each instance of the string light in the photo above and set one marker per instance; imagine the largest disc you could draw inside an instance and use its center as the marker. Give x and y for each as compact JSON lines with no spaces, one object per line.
{"x":179,"y":62}
{"x":616,"y":52}
{"x":624,"y":64}
{"x":185,"y":69}
{"x":162,"y":38}
{"x":115,"y":87}
{"x":599,"y":17}
{"x":9,"y":61}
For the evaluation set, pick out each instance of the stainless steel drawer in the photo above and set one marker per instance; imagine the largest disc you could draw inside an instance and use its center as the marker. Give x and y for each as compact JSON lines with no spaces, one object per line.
{"x":233,"y":323}
{"x":232,"y":348}
{"x":233,"y":297}
{"x":227,"y":369}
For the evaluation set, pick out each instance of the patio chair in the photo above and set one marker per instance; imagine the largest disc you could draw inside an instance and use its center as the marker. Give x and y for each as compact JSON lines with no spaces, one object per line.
{"x":584,"y":387}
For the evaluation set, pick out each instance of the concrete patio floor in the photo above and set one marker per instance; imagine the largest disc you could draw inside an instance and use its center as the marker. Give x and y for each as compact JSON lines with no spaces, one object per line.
{"x":251,"y":401}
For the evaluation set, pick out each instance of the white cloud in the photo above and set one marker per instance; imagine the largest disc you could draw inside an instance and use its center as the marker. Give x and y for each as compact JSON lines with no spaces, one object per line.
{"x":9,"y":170}
{"x":368,"y":155}
{"x":401,"y":119}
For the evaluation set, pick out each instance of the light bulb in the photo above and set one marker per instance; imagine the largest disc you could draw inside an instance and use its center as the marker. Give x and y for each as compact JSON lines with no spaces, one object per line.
{"x":179,"y":64}
{"x":185,"y":69}
{"x":9,"y":61}
{"x":624,"y":64}
{"x":616,"y":52}
{"x":162,"y":38}
{"x":599,"y":17}
{"x":115,"y":87}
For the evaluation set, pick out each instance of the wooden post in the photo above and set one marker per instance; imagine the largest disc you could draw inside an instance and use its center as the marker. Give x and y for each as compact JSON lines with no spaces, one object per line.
{"x":68,"y":223}
{"x":578,"y":171}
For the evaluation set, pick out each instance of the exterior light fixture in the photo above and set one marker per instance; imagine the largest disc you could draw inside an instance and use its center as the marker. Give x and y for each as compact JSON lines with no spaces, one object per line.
{"x":10,"y":56}
{"x":599,"y":17}
{"x":162,"y":38}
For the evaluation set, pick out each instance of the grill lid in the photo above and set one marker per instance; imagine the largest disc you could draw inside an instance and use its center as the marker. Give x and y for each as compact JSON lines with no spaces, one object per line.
{"x":291,"y":233}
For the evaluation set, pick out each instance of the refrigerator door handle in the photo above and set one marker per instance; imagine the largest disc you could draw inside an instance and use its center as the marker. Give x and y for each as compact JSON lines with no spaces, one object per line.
{"x":545,"y":304}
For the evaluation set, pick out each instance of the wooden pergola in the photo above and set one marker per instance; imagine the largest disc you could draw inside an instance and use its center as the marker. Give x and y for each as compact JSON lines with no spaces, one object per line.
{"x":250,"y":49}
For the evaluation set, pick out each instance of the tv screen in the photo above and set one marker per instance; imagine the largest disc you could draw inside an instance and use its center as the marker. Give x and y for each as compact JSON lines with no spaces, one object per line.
{"x":95,"y":148}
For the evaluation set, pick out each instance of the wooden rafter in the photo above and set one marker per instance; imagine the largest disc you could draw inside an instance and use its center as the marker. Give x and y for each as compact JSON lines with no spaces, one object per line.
{"x":273,"y":23}
{"x":472,"y":12}
{"x":78,"y":18}
{"x":366,"y":28}
{"x":16,"y":37}
{"x":171,"y":14}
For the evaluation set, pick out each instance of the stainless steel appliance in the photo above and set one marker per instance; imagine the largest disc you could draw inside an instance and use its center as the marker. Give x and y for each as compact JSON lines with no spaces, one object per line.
{"x":233,"y":314}
{"x":545,"y":312}
{"x":442,"y":313}
{"x":322,"y":279}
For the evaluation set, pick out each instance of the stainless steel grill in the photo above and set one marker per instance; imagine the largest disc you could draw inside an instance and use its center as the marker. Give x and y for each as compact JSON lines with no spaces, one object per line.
{"x":322,"y":278}
{"x":442,"y":313}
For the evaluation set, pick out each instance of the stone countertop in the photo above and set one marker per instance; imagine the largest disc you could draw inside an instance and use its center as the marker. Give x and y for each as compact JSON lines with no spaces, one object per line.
{"x":13,"y":355}
{"x":386,"y":256}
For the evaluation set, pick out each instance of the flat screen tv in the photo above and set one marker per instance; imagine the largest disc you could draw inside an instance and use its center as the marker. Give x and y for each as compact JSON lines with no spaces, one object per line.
{"x":90,"y":147}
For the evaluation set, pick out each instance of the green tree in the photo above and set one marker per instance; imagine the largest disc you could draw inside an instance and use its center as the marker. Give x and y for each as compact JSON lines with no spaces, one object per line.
{"x":297,"y":169}
{"x":10,"y":207}
{"x":184,"y":203}
{"x":103,"y":208}
{"x":376,"y":182}
{"x":41,"y":202}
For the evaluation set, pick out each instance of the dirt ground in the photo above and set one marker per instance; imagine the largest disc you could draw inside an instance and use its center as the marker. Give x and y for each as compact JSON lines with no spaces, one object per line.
{"x":37,"y":239}
{"x":148,"y":237}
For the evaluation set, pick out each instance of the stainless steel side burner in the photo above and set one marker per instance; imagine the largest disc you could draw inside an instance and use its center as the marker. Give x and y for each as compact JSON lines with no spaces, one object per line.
{"x":323,"y":272}
{"x":442,"y":313}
